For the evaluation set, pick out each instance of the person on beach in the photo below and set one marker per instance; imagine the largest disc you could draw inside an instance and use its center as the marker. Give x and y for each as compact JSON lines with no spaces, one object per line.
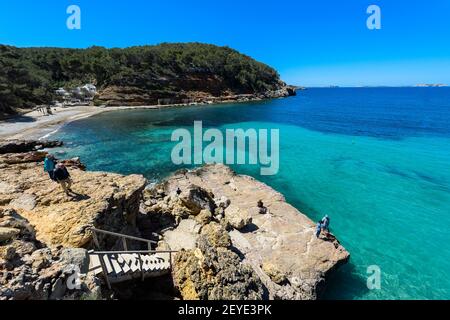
{"x":318,"y":229}
{"x":49,"y":165}
{"x":326,"y":223}
{"x":62,"y":176}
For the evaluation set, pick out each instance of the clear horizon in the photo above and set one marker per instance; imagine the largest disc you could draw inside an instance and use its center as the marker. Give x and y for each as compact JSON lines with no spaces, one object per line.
{"x":316,"y":44}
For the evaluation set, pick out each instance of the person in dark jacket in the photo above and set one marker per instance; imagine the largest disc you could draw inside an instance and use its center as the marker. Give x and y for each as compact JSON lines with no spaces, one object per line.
{"x":49,"y":165}
{"x":318,"y":229}
{"x":62,"y":176}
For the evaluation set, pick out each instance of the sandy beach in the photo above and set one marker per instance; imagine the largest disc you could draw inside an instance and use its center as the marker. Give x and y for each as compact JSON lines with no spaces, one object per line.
{"x":35,"y":125}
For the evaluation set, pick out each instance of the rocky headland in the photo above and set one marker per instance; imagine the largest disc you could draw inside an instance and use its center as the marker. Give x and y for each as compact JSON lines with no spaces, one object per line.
{"x":236,"y":237}
{"x":165,"y":74}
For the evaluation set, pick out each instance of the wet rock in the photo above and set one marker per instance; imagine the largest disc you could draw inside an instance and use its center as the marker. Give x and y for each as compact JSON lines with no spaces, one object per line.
{"x":74,"y":163}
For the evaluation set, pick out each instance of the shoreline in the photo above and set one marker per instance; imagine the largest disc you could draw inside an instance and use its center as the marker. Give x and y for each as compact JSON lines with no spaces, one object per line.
{"x":36,"y":126}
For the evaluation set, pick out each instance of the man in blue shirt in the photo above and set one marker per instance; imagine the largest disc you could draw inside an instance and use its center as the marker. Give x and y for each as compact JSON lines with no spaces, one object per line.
{"x":49,"y":165}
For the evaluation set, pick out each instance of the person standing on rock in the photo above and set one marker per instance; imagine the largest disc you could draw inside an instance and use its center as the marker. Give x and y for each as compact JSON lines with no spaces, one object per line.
{"x":326,"y":223}
{"x":49,"y":165}
{"x":318,"y":229}
{"x":62,"y":176}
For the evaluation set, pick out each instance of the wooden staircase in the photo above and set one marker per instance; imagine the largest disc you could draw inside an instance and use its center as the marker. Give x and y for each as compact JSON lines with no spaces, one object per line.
{"x":119,"y":266}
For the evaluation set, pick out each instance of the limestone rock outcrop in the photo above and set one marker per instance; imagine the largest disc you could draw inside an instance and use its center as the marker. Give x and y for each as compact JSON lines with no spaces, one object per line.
{"x":280,"y":245}
{"x":31,"y":270}
{"x":214,"y":273}
{"x":101,"y":200}
{"x":237,"y":237}
{"x":22,"y":146}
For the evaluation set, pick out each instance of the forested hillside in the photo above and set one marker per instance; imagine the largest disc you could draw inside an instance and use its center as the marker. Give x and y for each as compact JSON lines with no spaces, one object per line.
{"x":29,"y":76}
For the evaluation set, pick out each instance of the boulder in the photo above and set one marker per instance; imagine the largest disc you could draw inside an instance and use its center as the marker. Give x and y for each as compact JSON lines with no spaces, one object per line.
{"x":25,"y":201}
{"x":41,"y":259}
{"x":275,"y":274}
{"x":184,"y":236}
{"x":7,"y":234}
{"x":204,"y":217}
{"x":238,"y":218}
{"x":75,"y":257}
{"x":216,"y":234}
{"x":195,"y":199}
{"x":223,"y":202}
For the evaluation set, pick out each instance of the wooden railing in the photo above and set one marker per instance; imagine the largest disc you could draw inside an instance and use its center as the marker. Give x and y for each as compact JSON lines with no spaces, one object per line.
{"x":125,"y":250}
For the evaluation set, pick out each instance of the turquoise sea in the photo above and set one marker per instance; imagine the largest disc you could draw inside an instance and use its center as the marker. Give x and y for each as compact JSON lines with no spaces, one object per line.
{"x":376,"y":160}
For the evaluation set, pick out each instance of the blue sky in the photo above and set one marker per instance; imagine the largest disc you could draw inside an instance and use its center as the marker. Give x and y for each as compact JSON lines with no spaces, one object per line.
{"x":313,"y":43}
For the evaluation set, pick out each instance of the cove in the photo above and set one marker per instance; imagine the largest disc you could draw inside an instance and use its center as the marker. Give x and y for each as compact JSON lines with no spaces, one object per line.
{"x":375,"y":160}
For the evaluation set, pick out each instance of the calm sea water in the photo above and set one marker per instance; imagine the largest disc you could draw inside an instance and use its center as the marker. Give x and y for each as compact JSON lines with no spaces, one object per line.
{"x":376,"y":160}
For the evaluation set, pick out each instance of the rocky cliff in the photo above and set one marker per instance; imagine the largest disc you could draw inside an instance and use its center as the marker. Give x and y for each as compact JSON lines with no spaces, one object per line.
{"x":31,"y":270}
{"x":168,"y":73}
{"x":237,"y":238}
{"x":246,"y":217}
{"x":191,"y":89}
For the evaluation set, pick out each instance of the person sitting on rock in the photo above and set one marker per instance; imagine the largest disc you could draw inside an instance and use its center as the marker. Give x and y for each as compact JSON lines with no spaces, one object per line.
{"x":49,"y":165}
{"x":62,"y":176}
{"x":262,"y":208}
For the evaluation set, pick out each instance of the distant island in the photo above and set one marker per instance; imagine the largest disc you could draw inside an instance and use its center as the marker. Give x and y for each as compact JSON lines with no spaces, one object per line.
{"x":146,"y":75}
{"x":438,"y":85}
